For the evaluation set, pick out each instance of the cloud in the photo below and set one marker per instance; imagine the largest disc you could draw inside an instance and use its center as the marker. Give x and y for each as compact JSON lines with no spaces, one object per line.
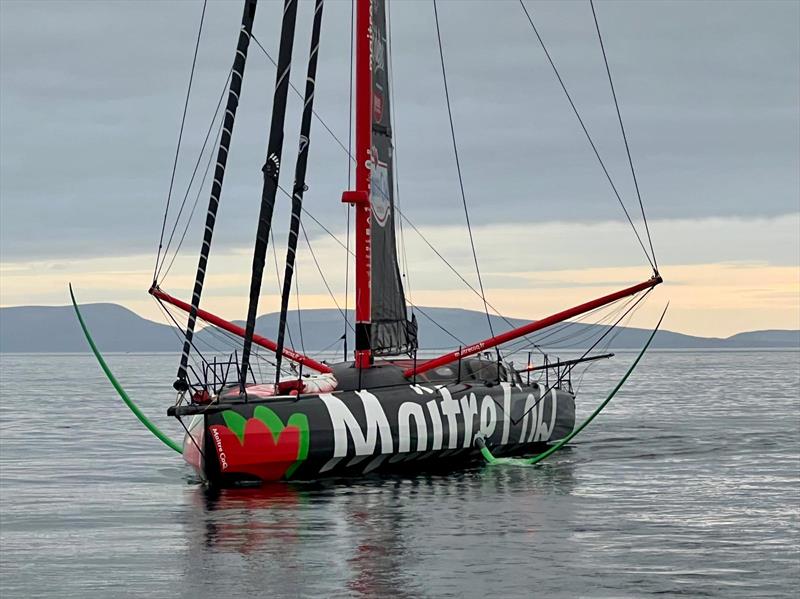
{"x":90,"y":112}
{"x":722,"y":276}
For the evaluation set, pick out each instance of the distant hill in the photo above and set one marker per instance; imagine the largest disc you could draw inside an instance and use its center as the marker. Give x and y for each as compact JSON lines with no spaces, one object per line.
{"x":117,"y":329}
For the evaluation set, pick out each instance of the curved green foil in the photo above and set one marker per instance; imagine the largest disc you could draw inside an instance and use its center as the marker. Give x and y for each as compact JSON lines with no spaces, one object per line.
{"x":125,"y":397}
{"x":487,"y":454}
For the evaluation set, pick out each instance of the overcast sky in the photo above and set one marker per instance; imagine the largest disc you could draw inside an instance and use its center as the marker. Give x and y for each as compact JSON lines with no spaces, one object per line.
{"x":91,"y":97}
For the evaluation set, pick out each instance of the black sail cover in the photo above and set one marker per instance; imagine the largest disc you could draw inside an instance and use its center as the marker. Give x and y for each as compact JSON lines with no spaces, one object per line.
{"x":392,"y":333}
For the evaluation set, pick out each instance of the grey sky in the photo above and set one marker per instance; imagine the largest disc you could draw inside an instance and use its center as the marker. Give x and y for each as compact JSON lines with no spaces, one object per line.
{"x":92,"y":94}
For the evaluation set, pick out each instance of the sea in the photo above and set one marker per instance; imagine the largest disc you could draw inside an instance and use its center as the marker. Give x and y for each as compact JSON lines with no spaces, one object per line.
{"x":687,"y":485}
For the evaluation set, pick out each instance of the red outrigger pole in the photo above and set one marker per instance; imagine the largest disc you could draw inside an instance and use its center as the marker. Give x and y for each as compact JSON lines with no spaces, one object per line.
{"x":287,"y":352}
{"x":531,"y":327}
{"x":360,"y":197}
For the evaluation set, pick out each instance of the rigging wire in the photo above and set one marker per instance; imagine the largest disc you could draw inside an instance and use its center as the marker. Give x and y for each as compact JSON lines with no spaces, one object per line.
{"x":458,"y":169}
{"x":180,"y":137}
{"x":325,"y":280}
{"x":179,"y":335}
{"x":278,"y":278}
{"x":229,"y":340}
{"x":325,"y":349}
{"x":607,"y":345}
{"x":192,"y":212}
{"x":624,"y":136}
{"x":300,"y":95}
{"x":159,"y":276}
{"x":403,"y":217}
{"x":567,"y":371}
{"x":571,"y":336}
{"x":348,"y":151}
{"x":515,"y":346}
{"x":299,"y":318}
{"x":429,"y":317}
{"x":175,"y":322}
{"x":330,"y":233}
{"x":586,"y":132}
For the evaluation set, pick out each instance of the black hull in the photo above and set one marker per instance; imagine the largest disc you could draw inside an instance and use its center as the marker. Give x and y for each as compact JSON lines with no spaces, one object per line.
{"x":390,"y":426}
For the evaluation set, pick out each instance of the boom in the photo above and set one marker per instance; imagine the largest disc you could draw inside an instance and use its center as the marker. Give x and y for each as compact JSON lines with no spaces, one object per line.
{"x":531,"y":327}
{"x":225,"y":325}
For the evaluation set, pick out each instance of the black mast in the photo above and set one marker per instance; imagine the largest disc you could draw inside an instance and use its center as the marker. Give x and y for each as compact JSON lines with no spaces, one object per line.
{"x":271,"y":170}
{"x":234,"y":89}
{"x":299,"y":182}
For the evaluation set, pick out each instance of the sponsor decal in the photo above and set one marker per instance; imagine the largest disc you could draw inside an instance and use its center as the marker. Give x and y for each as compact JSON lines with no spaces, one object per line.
{"x":443,"y":422}
{"x":263,"y":445}
{"x":377,"y":106}
{"x":220,"y":452}
{"x":379,"y":192}
{"x":379,"y":55}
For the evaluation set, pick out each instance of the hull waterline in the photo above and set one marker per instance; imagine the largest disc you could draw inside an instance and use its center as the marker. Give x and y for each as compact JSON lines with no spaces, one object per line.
{"x":352,"y":433}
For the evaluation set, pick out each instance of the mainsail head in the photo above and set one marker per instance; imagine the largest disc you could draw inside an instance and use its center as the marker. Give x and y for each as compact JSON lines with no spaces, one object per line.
{"x":392,"y":333}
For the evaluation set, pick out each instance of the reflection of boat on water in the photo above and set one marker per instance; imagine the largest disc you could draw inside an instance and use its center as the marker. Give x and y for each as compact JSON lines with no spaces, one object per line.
{"x":379,"y":410}
{"x":362,"y":537}
{"x":250,"y":520}
{"x":280,"y":526}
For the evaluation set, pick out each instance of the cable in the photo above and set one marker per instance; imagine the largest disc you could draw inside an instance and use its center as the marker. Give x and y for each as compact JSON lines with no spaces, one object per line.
{"x":300,"y":95}
{"x":162,"y":277}
{"x":323,"y":227}
{"x":586,"y":132}
{"x":624,"y":136}
{"x":458,"y":168}
{"x":299,"y":318}
{"x":324,"y":280}
{"x":180,"y":137}
{"x":429,"y":317}
{"x":453,"y":268}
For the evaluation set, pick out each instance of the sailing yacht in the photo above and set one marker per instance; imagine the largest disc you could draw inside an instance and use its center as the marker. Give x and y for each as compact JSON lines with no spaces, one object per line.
{"x":384,"y":407}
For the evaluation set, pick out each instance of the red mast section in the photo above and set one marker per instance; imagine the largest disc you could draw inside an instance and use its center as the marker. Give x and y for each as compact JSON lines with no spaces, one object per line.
{"x":360,"y":198}
{"x":210,"y":318}
{"x":532,"y":326}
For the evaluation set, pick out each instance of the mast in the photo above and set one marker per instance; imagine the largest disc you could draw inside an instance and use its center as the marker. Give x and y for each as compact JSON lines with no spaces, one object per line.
{"x":299,"y":182}
{"x":360,"y":197}
{"x":271,"y":170}
{"x":234,"y":89}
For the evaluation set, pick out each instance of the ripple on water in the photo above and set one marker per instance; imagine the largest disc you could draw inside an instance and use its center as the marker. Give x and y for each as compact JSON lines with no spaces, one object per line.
{"x":686,"y":486}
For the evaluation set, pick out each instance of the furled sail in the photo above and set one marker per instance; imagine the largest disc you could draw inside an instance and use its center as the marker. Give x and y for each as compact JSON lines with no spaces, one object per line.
{"x":392,"y":333}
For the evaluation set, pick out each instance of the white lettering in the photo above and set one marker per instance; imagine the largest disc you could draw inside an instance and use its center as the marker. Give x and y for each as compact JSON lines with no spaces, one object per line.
{"x":404,"y":414}
{"x":218,"y":442}
{"x":436,"y":419}
{"x":544,"y":431}
{"x":469,"y":408}
{"x":344,"y":422}
{"x":488,"y":416}
{"x":528,"y":410}
{"x":506,"y":411}
{"x":451,"y":410}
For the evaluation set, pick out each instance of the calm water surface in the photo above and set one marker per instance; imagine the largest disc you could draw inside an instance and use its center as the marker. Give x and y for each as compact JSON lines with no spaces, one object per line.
{"x":687,"y":485}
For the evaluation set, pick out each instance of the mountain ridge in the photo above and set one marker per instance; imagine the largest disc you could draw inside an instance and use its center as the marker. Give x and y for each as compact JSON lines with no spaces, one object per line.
{"x":49,"y":329}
